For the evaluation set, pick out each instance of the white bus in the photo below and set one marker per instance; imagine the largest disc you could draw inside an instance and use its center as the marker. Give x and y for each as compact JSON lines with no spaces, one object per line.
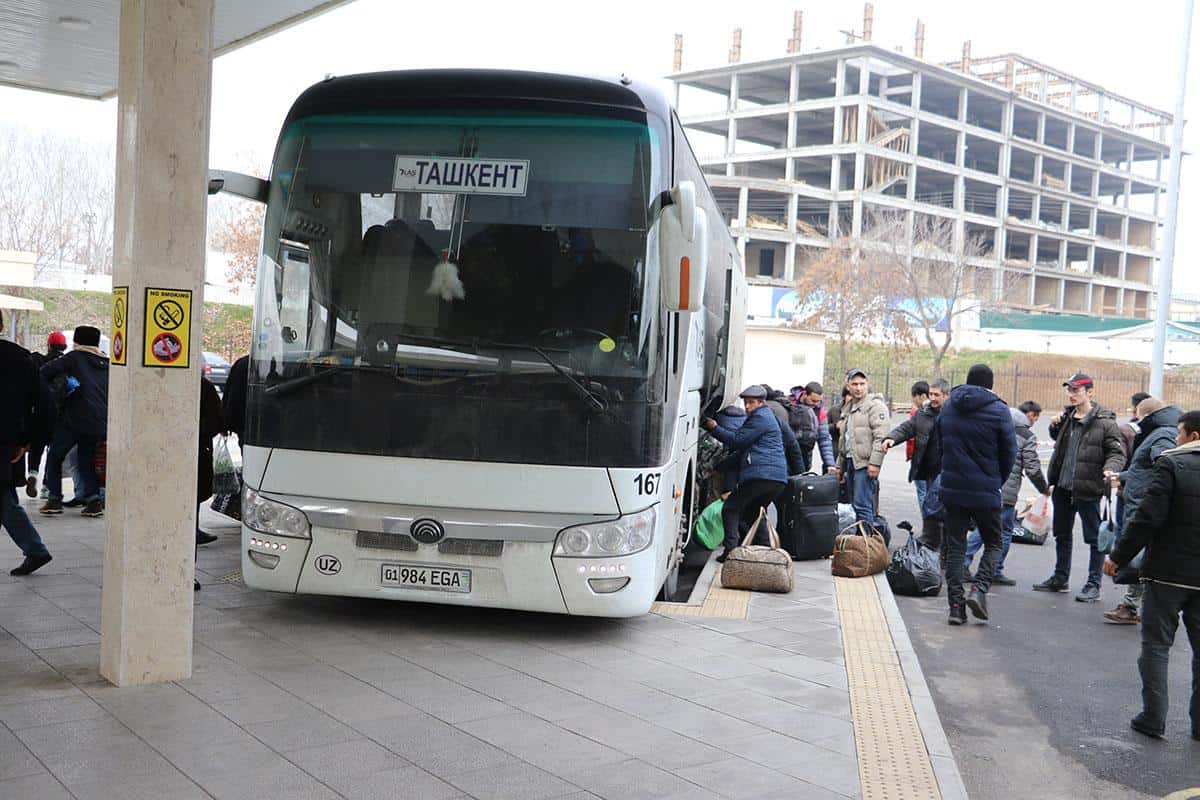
{"x":491,"y":308}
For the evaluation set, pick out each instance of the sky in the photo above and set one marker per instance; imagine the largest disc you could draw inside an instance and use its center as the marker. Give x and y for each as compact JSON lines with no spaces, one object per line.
{"x":1131,"y":53}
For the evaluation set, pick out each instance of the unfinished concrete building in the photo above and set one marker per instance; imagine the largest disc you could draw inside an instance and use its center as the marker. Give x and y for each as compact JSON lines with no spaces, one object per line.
{"x":1063,"y":180}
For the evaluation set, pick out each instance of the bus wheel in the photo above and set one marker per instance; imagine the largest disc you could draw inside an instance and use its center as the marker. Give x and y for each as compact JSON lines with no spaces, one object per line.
{"x":683,"y":534}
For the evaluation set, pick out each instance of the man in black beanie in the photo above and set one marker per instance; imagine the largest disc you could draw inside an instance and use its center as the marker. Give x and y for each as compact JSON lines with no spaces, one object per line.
{"x":85,"y":419}
{"x":978,"y":451}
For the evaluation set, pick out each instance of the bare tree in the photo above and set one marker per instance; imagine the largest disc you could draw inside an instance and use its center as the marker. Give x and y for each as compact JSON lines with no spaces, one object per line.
{"x":839,"y":294}
{"x":238,"y":234}
{"x":934,"y":274}
{"x":56,"y":199}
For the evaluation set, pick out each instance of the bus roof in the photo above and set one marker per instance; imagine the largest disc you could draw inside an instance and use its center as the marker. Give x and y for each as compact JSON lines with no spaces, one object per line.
{"x":475,"y":88}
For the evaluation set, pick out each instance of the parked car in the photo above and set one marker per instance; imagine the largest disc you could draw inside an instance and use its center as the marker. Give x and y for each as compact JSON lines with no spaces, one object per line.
{"x":216,"y":369}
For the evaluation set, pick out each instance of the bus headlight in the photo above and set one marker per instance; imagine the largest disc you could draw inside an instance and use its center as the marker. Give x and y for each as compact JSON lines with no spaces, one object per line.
{"x":621,"y":537}
{"x":271,"y":516}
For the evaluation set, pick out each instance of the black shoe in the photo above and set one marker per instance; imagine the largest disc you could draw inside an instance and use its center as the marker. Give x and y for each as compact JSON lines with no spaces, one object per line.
{"x":31,"y":564}
{"x":1090,"y":593}
{"x":721,"y":558}
{"x":958,"y":615}
{"x":75,"y":502}
{"x":203,"y":537}
{"x":905,"y":525}
{"x":1140,"y":725}
{"x":977,"y":602}
{"x":1051,"y":584}
{"x":31,"y":486}
{"x":94,"y":509}
{"x":195,"y":585}
{"x":51,"y":506}
{"x":1003,"y":580}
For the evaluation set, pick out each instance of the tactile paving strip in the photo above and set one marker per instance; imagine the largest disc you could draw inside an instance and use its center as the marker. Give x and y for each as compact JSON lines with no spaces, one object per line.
{"x":719,"y":602}
{"x":893,"y":762}
{"x":232,"y":577}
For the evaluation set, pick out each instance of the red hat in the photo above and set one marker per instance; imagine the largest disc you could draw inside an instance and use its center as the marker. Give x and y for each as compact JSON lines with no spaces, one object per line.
{"x":1079,"y":380}
{"x":56,"y":338}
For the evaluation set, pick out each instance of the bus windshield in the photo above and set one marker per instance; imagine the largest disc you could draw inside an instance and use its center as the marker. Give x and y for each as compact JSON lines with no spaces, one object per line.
{"x":480,"y":263}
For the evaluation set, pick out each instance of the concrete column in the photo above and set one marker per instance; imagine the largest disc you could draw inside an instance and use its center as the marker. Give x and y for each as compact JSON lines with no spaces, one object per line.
{"x":860,"y":143}
{"x":164,"y":91}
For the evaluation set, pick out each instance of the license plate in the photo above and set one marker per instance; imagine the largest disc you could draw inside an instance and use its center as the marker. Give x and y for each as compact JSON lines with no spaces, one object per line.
{"x":437,"y":579}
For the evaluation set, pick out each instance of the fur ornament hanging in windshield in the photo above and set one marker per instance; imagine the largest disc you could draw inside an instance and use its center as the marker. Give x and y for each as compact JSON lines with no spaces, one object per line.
{"x":445,"y":280}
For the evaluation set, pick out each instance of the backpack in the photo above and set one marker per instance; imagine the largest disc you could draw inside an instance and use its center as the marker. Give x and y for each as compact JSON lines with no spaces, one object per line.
{"x":803,"y":423}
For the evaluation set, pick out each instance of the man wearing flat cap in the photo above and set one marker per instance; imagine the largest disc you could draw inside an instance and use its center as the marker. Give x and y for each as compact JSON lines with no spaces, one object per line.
{"x":762,"y":463}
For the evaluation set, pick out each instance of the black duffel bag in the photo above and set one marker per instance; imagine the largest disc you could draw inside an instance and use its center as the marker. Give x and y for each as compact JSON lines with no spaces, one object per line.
{"x":914,"y":570}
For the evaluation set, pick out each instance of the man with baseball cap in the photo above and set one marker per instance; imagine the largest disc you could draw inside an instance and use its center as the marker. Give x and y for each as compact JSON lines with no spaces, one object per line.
{"x":762,"y":462}
{"x":865,"y":423}
{"x":1087,"y":444}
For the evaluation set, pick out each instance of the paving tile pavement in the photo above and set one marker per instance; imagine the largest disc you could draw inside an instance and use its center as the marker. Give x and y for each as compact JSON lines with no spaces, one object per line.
{"x":313,"y":697}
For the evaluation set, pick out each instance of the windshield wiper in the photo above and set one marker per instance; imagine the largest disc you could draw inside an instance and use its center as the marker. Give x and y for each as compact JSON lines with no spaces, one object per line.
{"x":594,"y":403}
{"x":292,"y":384}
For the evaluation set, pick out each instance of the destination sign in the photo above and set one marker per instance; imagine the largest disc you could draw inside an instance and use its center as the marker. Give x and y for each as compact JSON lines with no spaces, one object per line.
{"x":460,"y":175}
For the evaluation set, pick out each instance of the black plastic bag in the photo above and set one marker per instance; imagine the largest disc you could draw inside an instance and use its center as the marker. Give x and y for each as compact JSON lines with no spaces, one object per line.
{"x":914,"y":570}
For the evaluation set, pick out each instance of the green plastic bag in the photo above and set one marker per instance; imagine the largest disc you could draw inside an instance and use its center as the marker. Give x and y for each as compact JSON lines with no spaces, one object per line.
{"x":710,"y":530}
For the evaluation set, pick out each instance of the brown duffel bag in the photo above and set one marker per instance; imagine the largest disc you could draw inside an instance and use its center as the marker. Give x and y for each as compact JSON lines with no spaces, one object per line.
{"x":859,"y":551}
{"x":758,"y":568}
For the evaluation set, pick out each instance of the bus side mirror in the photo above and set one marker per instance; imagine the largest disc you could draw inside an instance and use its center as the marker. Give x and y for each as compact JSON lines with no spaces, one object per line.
{"x":236,"y":183}
{"x":683,"y":250}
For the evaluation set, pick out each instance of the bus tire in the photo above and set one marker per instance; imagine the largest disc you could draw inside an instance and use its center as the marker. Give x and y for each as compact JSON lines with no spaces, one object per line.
{"x":683,"y":532}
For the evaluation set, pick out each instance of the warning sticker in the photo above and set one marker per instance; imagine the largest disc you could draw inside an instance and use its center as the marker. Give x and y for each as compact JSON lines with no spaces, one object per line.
{"x":120,"y":325}
{"x":168,"y":321}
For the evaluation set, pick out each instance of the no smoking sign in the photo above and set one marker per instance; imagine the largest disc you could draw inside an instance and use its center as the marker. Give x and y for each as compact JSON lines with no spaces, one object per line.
{"x":168,"y":321}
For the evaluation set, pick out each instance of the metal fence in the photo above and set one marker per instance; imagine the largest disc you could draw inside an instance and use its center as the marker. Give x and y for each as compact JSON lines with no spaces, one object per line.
{"x":1114,"y":385}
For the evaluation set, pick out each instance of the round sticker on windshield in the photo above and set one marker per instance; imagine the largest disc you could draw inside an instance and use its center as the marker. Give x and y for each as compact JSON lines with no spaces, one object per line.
{"x":607,"y":345}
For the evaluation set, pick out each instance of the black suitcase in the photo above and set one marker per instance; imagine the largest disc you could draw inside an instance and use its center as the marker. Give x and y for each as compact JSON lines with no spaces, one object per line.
{"x":808,"y":518}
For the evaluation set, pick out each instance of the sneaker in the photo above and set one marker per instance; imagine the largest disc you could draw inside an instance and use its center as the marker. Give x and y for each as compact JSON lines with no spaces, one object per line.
{"x":1003,"y":580}
{"x":75,"y":502}
{"x":1123,"y":615}
{"x":958,"y":615}
{"x":1090,"y":593}
{"x":1143,"y":727}
{"x":31,"y":564}
{"x":44,"y":494}
{"x":1051,"y":584}
{"x":51,"y":506}
{"x":977,"y":602}
{"x":203,"y":537}
{"x":31,"y":486}
{"x":93,"y":509}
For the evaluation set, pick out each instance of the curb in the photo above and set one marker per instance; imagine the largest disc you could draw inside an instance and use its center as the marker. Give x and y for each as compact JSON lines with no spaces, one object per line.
{"x":950,"y":781}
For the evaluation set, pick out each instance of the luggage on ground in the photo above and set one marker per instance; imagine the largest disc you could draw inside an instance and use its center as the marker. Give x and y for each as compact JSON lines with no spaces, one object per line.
{"x":1035,"y":522}
{"x":859,"y":551}
{"x":914,"y":570}
{"x":227,"y":481}
{"x":808,"y":518}
{"x":758,"y":568}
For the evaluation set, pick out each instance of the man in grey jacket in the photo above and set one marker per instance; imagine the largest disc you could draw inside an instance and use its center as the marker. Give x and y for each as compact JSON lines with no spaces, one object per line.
{"x":865,"y":422}
{"x":1028,"y":465}
{"x":1158,"y":425}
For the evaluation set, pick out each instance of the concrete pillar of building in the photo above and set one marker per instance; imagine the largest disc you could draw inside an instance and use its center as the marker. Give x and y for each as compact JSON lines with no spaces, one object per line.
{"x":164,"y":92}
{"x":914,"y":139}
{"x":743,"y":206}
{"x":860,"y":140}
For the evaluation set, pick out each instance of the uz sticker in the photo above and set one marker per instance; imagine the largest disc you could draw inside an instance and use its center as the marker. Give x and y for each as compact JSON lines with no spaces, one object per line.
{"x":328,"y":565}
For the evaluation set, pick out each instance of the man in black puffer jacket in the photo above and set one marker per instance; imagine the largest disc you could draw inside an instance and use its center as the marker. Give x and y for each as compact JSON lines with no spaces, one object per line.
{"x":1087,"y":444}
{"x":1166,"y":524}
{"x":84,"y":423}
{"x":978,"y":453}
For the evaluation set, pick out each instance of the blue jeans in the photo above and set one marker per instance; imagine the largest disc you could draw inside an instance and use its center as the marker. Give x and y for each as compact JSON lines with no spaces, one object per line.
{"x":1008,"y":522}
{"x":1065,"y":509}
{"x":922,"y":487}
{"x":64,"y":440}
{"x":16,"y":522}
{"x":862,"y":492}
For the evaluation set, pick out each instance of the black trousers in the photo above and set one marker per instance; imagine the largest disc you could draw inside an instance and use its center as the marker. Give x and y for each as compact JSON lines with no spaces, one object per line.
{"x":1162,"y":607}
{"x":954,"y":548}
{"x":744,"y":504}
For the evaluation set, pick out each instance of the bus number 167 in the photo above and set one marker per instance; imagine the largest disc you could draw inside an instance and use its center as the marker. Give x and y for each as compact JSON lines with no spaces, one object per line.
{"x":647,"y":483}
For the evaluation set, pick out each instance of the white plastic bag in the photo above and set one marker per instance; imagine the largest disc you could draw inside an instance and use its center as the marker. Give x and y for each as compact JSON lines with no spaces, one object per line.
{"x":1040,"y":517}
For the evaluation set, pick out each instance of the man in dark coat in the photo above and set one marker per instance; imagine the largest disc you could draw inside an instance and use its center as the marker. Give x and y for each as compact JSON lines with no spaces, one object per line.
{"x":56,"y":346}
{"x":979,"y":449}
{"x":1087,"y":444}
{"x":1158,"y":427}
{"x":85,"y":419}
{"x":22,"y":420}
{"x":762,"y":466}
{"x":1166,"y":525}
{"x":233,"y":402}
{"x":923,"y":465}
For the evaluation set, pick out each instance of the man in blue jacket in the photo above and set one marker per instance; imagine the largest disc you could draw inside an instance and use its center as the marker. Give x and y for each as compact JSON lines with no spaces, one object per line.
{"x":763,"y":465}
{"x":978,"y":452}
